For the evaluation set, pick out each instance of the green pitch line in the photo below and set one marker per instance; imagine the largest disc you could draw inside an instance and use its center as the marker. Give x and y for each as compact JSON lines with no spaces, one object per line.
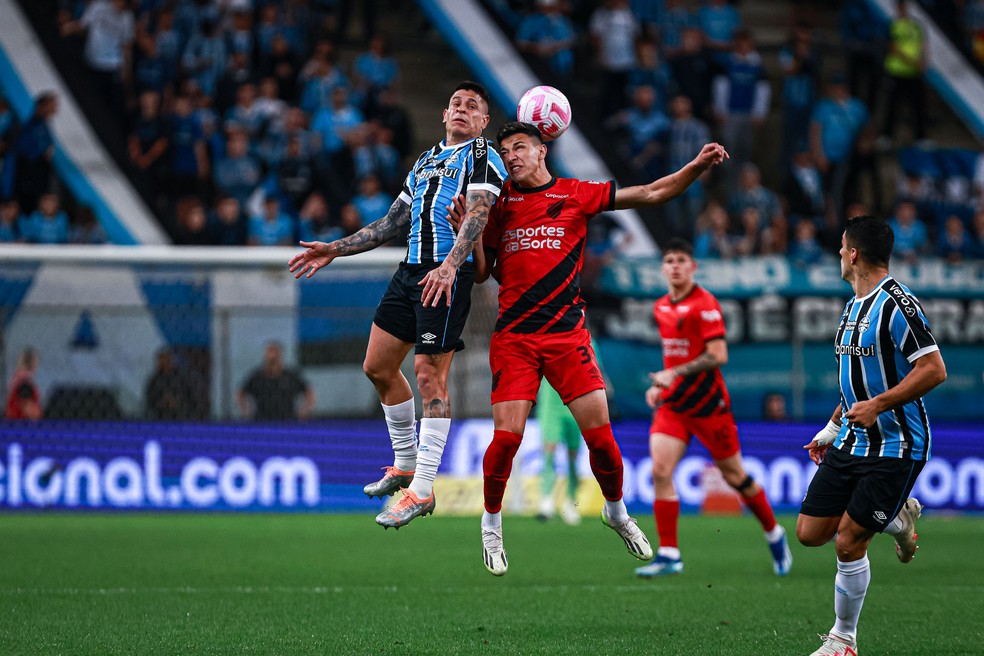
{"x":338,"y":584}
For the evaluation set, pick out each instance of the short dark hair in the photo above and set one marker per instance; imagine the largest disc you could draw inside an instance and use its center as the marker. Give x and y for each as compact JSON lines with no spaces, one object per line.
{"x":678,"y":245}
{"x":872,"y":237}
{"x":468,"y":85}
{"x":516,"y":127}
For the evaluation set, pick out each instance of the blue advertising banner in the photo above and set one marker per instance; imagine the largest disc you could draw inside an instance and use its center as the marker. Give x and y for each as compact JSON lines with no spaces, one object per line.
{"x":322,"y":466}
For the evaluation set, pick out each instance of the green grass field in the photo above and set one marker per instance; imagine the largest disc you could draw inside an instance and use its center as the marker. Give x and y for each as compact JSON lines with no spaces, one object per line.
{"x":338,"y":584}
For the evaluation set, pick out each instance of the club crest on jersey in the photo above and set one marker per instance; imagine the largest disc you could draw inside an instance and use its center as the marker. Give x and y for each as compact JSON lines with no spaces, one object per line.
{"x":864,"y":324}
{"x":480,"y":147}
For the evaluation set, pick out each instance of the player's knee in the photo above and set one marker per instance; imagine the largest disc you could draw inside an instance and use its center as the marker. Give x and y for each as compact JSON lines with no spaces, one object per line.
{"x":431,"y":383}
{"x":662,"y":473}
{"x":740,"y":481}
{"x":375,"y":372}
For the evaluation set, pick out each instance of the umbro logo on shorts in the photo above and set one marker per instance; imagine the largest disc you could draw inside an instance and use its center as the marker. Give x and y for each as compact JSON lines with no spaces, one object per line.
{"x":880,"y":517}
{"x":428,"y":338}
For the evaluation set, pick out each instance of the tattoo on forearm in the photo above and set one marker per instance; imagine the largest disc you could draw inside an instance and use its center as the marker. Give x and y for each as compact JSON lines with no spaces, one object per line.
{"x":376,"y":233}
{"x":702,"y":362}
{"x":478,"y":205}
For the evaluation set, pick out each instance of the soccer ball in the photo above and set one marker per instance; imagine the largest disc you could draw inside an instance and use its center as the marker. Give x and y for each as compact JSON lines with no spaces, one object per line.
{"x":546,"y":108}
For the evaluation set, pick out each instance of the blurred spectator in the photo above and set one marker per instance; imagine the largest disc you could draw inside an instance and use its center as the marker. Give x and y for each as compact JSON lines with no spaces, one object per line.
{"x":905,"y":64}
{"x":8,"y":133}
{"x":245,"y":115}
{"x":394,"y":118}
{"x":803,"y":189}
{"x":320,"y":76}
{"x":719,"y":22}
{"x":147,"y":145}
{"x":189,"y":158}
{"x":272,"y":109}
{"x":11,"y":222}
{"x":274,"y":147}
{"x":168,"y":395}
{"x":109,"y":28}
{"x":752,"y":194}
{"x":271,"y":228}
{"x":204,"y":58}
{"x":687,"y":136}
{"x":693,"y":72}
{"x":973,"y":26}
{"x":371,"y":202}
{"x":836,"y":123}
{"x":672,"y":21}
{"x":23,"y":393}
{"x":862,"y":35}
{"x":955,"y":245}
{"x":652,"y":71}
{"x":192,"y":224}
{"x":237,"y":174}
{"x":800,"y":63}
{"x":713,"y":240}
{"x":281,"y":64}
{"x":911,"y":236}
{"x":549,"y":35}
{"x":230,"y":81}
{"x":741,"y":102}
{"x":374,"y":70}
{"x":226,"y":225}
{"x":805,"y":249}
{"x":168,"y":42}
{"x":48,"y":224}
{"x":239,"y":33}
{"x":296,"y":174}
{"x":269,"y":27}
{"x":977,"y":233}
{"x":272,"y":391}
{"x":33,"y":151}
{"x":644,"y":127}
{"x":334,"y":122}
{"x":315,"y":221}
{"x":374,"y":154}
{"x":351,"y":221}
{"x":774,"y":407}
{"x":86,"y":229}
{"x":749,"y":240}
{"x":150,"y":71}
{"x":613,"y":31}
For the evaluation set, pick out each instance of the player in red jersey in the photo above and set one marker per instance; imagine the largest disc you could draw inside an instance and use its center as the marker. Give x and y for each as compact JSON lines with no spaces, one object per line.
{"x":534,"y":245}
{"x":690,"y":398}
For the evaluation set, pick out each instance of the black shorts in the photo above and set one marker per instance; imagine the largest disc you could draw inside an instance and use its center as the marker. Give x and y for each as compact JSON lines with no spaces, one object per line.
{"x":433,"y":329}
{"x":870,"y":489}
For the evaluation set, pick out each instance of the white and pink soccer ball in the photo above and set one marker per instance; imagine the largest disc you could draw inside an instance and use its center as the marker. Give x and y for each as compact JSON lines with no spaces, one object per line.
{"x":546,"y":108}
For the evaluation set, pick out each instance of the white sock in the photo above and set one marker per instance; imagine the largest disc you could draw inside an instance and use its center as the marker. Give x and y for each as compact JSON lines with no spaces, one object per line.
{"x":850,"y":586}
{"x":491,"y":520}
{"x":433,"y":437}
{"x":673,"y":553}
{"x":776,"y":533}
{"x":894,"y":527}
{"x":402,"y":426}
{"x":615,"y":511}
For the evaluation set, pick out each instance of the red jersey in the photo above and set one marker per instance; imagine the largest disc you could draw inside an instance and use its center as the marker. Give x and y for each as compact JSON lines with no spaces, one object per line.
{"x":538,"y":235}
{"x":686,"y":325}
{"x":21,"y":389}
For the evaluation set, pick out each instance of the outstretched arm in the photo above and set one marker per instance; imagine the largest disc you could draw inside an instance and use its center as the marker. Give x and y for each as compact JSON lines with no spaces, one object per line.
{"x":672,"y":185}
{"x":484,"y":258}
{"x":320,"y":254}
{"x":438,"y":282}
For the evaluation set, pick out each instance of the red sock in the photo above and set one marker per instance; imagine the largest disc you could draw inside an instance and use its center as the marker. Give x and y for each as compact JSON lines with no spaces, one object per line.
{"x":606,"y":460}
{"x":759,"y":504}
{"x":667,"y":515}
{"x":497,"y":465}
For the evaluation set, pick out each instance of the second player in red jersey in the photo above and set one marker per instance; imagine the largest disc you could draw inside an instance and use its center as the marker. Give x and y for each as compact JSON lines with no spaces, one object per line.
{"x":534,"y":245}
{"x":690,"y":398}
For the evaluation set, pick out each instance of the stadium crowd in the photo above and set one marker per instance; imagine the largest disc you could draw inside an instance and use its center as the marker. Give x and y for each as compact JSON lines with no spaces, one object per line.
{"x":672,"y":74}
{"x":245,"y":127}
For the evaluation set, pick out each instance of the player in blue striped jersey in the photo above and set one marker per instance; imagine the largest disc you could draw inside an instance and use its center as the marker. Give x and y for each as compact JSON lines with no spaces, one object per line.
{"x":427,"y":302}
{"x":878,"y":440}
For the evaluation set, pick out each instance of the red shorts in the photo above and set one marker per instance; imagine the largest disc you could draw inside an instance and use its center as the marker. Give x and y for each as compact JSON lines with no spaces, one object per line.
{"x":718,"y":432}
{"x":520,"y":361}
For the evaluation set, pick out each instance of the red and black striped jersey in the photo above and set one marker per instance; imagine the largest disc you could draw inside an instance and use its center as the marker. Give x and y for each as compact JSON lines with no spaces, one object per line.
{"x":538,"y":235}
{"x":685,"y":326}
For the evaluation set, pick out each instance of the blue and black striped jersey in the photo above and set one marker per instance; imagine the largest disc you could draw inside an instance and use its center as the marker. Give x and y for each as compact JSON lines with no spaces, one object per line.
{"x":879,"y":337}
{"x":439,"y":175}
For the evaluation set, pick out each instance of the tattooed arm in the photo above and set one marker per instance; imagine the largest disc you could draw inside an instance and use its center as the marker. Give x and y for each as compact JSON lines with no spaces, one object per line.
{"x":438,"y":283}
{"x":320,"y":254}
{"x":715,"y":355}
